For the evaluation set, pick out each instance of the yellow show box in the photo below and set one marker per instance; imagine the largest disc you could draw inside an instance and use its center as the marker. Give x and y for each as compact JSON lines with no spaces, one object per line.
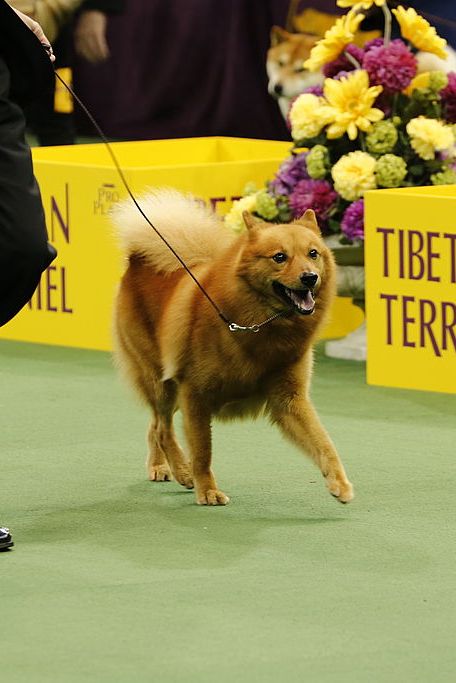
{"x":410,"y":257}
{"x":79,"y":184}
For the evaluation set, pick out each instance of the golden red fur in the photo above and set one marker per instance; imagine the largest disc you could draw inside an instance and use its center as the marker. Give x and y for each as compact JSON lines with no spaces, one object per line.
{"x":177,"y":352}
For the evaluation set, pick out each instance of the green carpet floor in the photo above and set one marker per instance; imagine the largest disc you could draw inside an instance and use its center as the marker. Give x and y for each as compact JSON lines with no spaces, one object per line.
{"x":114,"y":579}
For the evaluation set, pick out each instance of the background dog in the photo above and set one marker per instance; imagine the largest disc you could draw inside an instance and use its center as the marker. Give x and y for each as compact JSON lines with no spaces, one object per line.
{"x":287,"y":77}
{"x":177,"y":352}
{"x":284,"y":65}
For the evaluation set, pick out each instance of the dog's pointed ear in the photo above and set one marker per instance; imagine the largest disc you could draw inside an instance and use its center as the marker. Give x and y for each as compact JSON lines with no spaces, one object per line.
{"x":308,"y":220}
{"x":250,"y":220}
{"x":278,"y":35}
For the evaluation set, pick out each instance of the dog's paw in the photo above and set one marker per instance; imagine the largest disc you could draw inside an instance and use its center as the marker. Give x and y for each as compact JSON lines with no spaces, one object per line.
{"x":183,"y":476}
{"x":212,"y":497}
{"x":159,"y":473}
{"x":340,"y":488}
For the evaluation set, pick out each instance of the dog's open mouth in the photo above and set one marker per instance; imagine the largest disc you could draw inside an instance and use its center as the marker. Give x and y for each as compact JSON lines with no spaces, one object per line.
{"x":302,"y":300}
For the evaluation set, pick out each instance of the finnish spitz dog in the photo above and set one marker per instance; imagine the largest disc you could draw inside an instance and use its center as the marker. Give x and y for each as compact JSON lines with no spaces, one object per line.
{"x":178,"y":353}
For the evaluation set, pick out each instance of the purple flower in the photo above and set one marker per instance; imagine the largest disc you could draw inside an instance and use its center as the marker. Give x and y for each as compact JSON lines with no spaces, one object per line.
{"x":448,"y":95}
{"x":314,"y":90}
{"x":447,"y":157}
{"x":375,"y":42}
{"x":318,"y":195}
{"x":393,"y":66}
{"x":342,"y":63}
{"x":340,"y":75}
{"x":352,"y":224}
{"x":384,"y":102}
{"x":291,"y":171}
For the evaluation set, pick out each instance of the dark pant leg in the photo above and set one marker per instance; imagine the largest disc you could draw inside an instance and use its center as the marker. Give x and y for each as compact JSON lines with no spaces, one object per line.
{"x":24,"y":249}
{"x":52,"y":127}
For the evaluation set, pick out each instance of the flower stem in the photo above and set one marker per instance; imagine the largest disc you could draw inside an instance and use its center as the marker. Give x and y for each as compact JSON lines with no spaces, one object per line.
{"x":388,"y":21}
{"x":352,"y":60}
{"x":394,"y":104}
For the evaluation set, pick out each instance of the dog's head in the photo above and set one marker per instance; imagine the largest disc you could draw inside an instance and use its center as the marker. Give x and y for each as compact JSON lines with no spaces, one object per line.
{"x":288,"y":265}
{"x":284,"y":65}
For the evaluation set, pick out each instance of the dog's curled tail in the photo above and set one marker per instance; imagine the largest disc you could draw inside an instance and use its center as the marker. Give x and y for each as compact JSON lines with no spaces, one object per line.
{"x":191,"y":228}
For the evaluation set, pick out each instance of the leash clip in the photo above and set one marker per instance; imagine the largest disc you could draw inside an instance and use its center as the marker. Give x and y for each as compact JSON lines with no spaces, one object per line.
{"x":234,"y":327}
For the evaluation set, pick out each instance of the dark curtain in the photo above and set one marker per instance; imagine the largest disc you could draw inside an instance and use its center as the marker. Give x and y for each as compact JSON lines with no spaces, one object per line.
{"x":184,"y":68}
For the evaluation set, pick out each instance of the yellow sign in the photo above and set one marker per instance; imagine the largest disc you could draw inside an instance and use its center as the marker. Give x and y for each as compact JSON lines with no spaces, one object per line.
{"x":410,"y":255}
{"x":72,"y":306}
{"x":63,"y":100}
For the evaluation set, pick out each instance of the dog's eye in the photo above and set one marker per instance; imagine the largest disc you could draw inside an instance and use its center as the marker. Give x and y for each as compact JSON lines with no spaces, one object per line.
{"x":280,"y":257}
{"x":313,"y":253}
{"x":299,"y":69}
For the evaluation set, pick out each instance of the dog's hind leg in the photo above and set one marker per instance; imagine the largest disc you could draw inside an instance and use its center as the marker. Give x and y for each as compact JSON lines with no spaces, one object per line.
{"x":163,"y":445}
{"x":156,"y":463}
{"x":146,"y":380}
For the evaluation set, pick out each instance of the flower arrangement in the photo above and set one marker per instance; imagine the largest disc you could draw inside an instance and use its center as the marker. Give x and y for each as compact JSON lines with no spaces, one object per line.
{"x":374,"y":123}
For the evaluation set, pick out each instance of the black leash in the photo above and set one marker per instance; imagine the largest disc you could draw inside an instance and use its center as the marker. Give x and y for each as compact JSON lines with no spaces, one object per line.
{"x":234,"y":327}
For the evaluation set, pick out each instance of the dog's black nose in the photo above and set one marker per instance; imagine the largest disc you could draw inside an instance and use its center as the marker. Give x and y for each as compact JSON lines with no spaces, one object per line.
{"x":309,"y":280}
{"x":278,"y":89}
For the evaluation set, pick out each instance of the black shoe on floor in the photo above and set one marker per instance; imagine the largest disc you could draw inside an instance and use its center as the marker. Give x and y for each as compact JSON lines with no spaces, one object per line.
{"x":5,"y":539}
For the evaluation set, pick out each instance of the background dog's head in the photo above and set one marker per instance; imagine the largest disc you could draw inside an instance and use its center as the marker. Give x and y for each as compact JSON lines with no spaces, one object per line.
{"x":287,"y":265}
{"x":284,"y":64}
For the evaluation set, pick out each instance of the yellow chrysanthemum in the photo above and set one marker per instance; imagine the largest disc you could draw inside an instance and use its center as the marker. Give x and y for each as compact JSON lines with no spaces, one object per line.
{"x":362,"y":4}
{"x":351,"y":101}
{"x":353,"y":174}
{"x":308,"y":115}
{"x":420,"y":81}
{"x":233,"y":218}
{"x":428,"y":136}
{"x":420,"y":32}
{"x":334,"y":41}
{"x":432,"y":80}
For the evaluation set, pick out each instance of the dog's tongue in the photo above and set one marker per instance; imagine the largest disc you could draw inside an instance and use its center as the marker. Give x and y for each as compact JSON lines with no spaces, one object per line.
{"x":305,"y":301}
{"x":308,"y":302}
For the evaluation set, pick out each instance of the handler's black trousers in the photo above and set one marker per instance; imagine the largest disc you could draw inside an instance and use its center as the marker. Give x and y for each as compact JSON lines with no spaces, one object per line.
{"x":24,"y":249}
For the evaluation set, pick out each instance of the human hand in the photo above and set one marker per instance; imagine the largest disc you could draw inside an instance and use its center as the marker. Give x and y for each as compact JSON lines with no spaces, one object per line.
{"x":90,"y":36}
{"x":38,"y":31}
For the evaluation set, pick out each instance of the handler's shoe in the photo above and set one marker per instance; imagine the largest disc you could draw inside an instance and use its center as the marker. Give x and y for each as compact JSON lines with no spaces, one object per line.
{"x":5,"y":539}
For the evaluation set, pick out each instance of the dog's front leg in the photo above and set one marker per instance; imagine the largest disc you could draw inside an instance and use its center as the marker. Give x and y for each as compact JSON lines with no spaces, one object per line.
{"x":299,"y":422}
{"x":197,"y":426}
